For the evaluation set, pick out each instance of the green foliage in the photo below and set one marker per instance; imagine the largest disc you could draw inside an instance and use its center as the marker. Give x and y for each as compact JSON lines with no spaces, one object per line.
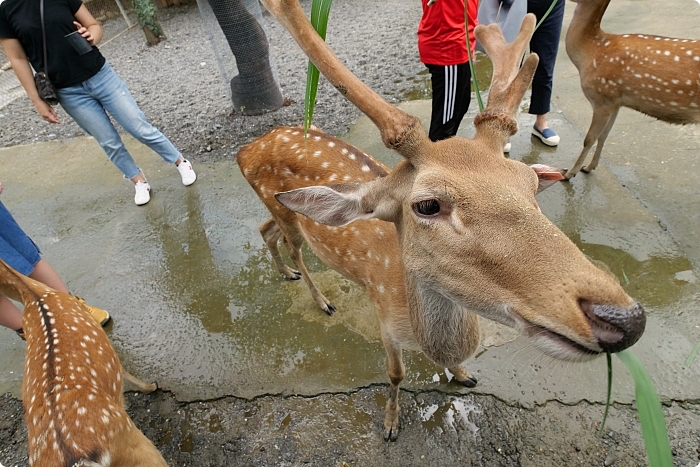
{"x":692,"y":355}
{"x":651,"y":416}
{"x":607,"y":400}
{"x":320,"y":10}
{"x":146,"y":12}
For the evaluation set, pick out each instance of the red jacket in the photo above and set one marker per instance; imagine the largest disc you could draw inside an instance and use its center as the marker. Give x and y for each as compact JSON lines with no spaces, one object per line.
{"x":441,"y":35}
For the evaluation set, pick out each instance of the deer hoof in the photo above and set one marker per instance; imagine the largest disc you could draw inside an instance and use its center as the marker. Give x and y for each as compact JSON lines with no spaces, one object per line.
{"x":586,"y":170}
{"x":470,"y":382}
{"x":391,"y":433}
{"x":329,"y":309}
{"x":296,"y":275}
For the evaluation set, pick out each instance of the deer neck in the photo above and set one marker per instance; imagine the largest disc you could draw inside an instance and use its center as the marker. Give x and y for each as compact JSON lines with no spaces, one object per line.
{"x":584,"y":28}
{"x":443,"y":329}
{"x":13,"y":287}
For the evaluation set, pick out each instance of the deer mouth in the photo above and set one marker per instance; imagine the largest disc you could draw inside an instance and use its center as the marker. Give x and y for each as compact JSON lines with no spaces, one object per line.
{"x":554,"y":344}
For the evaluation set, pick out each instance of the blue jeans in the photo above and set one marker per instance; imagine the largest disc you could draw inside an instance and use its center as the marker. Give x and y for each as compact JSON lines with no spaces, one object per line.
{"x":88,"y":104}
{"x":16,"y":248}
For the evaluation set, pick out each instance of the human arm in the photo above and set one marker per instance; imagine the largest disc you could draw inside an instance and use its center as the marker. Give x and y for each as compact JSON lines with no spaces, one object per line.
{"x":88,"y":26}
{"x":20,"y":64}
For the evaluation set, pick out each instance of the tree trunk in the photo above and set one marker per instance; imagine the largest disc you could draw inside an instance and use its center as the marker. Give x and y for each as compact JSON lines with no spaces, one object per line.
{"x":254,"y":91}
{"x":146,"y":12}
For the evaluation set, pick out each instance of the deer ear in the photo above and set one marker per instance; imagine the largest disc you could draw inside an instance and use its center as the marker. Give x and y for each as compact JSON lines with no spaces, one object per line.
{"x":547,"y":176}
{"x":335,"y":205}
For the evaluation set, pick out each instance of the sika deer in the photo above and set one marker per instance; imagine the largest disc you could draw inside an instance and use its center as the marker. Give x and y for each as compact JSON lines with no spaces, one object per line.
{"x":72,"y":384}
{"x":469,"y":237}
{"x":658,"y":76}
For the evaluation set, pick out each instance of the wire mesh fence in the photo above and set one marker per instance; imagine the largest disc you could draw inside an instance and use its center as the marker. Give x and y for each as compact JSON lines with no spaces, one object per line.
{"x":237,"y":34}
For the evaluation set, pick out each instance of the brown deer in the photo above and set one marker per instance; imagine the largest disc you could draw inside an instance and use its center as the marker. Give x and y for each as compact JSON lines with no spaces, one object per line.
{"x":658,"y":76}
{"x":467,"y":239}
{"x":72,"y":384}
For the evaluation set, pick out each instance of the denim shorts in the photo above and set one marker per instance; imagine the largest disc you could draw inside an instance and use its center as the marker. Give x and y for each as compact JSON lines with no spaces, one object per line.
{"x":16,"y":248}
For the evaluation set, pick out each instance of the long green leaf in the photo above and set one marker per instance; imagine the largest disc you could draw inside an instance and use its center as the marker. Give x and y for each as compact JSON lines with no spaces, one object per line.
{"x":651,"y":416}
{"x":692,"y":355}
{"x":607,"y":399}
{"x":320,"y":10}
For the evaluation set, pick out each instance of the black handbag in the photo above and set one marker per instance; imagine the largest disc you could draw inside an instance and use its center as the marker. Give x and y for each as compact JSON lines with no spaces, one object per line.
{"x":46,"y":90}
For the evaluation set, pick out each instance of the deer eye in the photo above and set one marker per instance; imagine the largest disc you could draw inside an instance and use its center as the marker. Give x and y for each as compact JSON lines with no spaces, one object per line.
{"x":428,"y":207}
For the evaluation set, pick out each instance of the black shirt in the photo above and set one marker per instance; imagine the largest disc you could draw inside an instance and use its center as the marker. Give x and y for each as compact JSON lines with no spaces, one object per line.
{"x":21,"y":19}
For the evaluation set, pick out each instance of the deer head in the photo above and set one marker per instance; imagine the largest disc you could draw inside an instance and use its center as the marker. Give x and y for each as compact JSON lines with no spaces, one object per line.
{"x":472,"y":236}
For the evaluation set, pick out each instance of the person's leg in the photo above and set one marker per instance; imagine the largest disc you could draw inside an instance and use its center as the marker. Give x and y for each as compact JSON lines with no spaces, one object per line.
{"x":460,"y":95}
{"x":10,"y":316}
{"x":88,"y":113}
{"x":44,"y":273}
{"x":544,"y":42}
{"x":115,"y":98}
{"x":443,"y":80}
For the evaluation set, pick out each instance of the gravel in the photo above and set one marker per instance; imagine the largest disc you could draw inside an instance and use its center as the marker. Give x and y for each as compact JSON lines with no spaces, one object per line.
{"x":179,"y":86}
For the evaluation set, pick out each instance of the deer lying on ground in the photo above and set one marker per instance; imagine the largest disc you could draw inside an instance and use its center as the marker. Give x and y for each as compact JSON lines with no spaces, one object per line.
{"x":72,"y":384}
{"x":658,"y":76}
{"x":467,"y":239}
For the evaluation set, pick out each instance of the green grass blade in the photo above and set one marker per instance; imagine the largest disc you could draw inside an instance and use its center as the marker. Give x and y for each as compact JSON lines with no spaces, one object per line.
{"x":320,"y":10}
{"x":607,"y":400}
{"x":475,"y":82}
{"x":549,"y":10}
{"x":651,"y":416}
{"x":692,"y":355}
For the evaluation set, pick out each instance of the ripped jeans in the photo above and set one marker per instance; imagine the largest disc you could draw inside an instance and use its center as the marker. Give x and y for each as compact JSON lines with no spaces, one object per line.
{"x":89,"y":102}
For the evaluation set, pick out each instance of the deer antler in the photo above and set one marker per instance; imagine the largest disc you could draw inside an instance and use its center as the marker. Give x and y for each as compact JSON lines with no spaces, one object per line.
{"x":399,"y":130}
{"x":509,"y":81}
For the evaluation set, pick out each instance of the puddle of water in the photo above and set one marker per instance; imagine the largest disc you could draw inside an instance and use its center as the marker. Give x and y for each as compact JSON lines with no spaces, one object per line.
{"x":456,"y":412}
{"x":186,"y":435}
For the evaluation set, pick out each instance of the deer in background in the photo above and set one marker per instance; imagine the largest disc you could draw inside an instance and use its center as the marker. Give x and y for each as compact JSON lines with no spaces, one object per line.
{"x":72,"y":384}
{"x":467,"y":239}
{"x":658,"y":76}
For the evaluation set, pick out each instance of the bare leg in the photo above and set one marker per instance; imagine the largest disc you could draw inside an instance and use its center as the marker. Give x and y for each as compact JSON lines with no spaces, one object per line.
{"x":10,"y":316}
{"x":44,"y":273}
{"x":541,"y":122}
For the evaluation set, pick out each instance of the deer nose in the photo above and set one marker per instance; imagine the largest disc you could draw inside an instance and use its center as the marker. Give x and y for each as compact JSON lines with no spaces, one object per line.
{"x":615,"y":328}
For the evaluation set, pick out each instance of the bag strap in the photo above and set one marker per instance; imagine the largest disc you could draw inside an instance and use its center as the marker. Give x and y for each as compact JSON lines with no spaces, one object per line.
{"x":43,"y":36}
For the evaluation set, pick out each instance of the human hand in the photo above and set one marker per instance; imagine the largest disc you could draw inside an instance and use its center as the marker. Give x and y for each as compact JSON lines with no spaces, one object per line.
{"x":47,"y":112}
{"x":85,"y":32}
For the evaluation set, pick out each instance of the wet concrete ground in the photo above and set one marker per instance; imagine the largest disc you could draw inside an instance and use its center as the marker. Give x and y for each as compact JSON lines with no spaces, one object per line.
{"x":254,"y":374}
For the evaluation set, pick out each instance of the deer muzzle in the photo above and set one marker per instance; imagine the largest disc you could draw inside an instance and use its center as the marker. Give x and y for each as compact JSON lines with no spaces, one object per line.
{"x":613,"y":327}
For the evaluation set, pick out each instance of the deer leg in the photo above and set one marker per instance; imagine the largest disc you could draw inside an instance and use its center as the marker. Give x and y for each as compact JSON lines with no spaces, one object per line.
{"x":142,"y":386}
{"x":601,"y":116}
{"x":463,"y":377}
{"x":601,"y":141}
{"x":396,"y":372}
{"x":294,"y":240}
{"x":271,"y":233}
{"x":132,"y":448}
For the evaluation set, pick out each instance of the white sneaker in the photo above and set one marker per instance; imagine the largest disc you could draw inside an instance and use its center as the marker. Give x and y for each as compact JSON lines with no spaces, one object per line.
{"x":506,"y":148}
{"x":186,"y":172}
{"x":143,"y":193}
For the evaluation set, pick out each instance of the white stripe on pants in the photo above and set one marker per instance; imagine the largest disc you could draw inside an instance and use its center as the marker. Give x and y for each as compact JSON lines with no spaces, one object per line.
{"x":450,"y":93}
